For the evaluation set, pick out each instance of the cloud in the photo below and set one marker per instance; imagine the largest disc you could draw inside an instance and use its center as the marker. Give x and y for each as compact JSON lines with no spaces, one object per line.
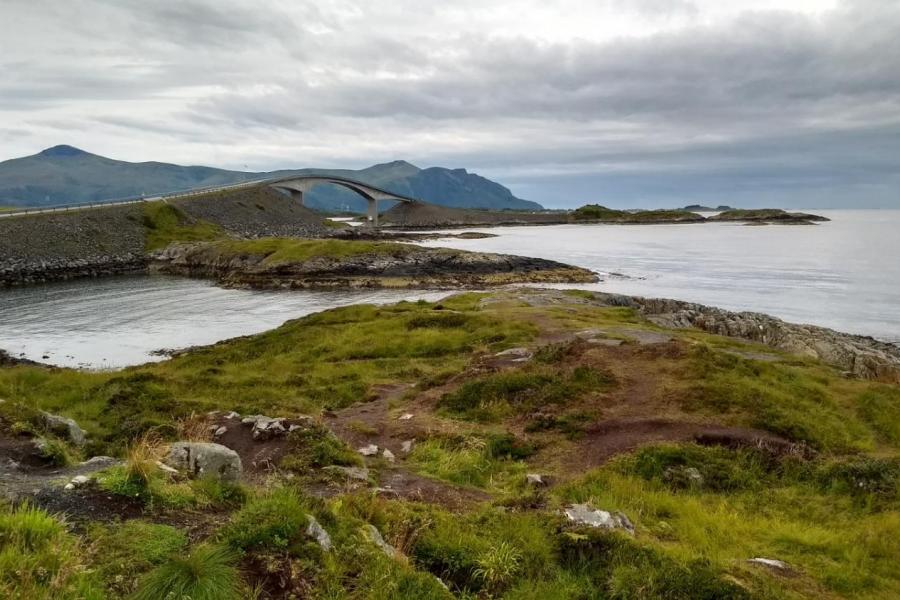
{"x":657,"y":101}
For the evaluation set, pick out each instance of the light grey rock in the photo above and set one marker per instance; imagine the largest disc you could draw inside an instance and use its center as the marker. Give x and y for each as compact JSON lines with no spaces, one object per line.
{"x":370,"y":450}
{"x":771,"y":563}
{"x":535,"y":479}
{"x":378,"y":540}
{"x":220,"y":431}
{"x":64,"y":427}
{"x":516,"y":354}
{"x":388,"y":455}
{"x":318,"y":533}
{"x":233,"y":415}
{"x":584,"y":514}
{"x":406,"y":446}
{"x":358,"y":473}
{"x":201,"y":459}
{"x":405,"y":417}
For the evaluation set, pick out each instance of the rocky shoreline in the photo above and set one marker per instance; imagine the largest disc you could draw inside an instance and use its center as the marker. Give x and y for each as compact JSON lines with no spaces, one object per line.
{"x":26,"y":272}
{"x":400,"y":266}
{"x":858,"y":356}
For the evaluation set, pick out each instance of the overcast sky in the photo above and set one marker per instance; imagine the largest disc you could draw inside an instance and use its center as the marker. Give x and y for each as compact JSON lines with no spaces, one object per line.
{"x":622,"y":102}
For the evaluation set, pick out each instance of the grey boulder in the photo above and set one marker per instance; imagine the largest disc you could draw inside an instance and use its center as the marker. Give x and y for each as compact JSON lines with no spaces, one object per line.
{"x":584,"y":514}
{"x":204,"y":459}
{"x":64,"y":427}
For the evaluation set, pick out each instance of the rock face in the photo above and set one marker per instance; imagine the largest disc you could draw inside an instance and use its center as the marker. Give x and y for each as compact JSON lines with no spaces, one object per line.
{"x":201,"y":459}
{"x":859,"y":356}
{"x":584,"y":514}
{"x":403,"y":266}
{"x":64,"y":427}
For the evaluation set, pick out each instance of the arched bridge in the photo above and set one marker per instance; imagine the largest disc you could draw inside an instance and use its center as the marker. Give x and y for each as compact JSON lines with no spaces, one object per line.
{"x":298,"y":185}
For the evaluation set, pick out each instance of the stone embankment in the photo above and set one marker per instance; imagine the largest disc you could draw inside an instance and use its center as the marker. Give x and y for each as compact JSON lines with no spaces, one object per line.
{"x":401,"y":267}
{"x":112,"y":240}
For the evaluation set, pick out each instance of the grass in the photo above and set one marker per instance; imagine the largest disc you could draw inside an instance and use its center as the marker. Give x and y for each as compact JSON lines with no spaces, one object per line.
{"x":207,"y":573}
{"x":286,"y":250}
{"x":699,"y":512}
{"x":809,"y":515}
{"x":521,"y":391}
{"x":124,"y":551}
{"x":39,"y":559}
{"x":165,"y":224}
{"x":327,"y":360}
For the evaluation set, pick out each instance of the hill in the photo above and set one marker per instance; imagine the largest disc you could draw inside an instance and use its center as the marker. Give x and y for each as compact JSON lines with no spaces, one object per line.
{"x":65,"y":175}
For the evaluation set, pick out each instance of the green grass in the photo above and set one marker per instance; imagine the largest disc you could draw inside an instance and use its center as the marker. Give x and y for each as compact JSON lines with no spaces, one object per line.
{"x":125,"y":551}
{"x":165,"y":224}
{"x":491,"y":462}
{"x":835,"y":522}
{"x":327,"y":360}
{"x":207,"y":573}
{"x":39,"y":559}
{"x":287,"y":250}
{"x":520,"y":391}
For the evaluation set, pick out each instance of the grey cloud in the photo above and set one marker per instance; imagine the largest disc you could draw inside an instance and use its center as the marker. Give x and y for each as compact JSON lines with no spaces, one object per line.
{"x":774,"y":99}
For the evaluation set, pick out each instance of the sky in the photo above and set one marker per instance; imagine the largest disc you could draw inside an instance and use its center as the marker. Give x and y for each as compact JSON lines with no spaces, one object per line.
{"x":621,"y":102}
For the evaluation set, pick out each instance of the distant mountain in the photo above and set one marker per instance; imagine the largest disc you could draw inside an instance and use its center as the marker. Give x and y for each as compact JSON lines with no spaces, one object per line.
{"x":64,"y":175}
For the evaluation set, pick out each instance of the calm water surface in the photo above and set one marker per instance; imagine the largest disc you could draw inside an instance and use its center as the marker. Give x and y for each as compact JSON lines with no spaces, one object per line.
{"x":119,"y":321}
{"x":844,"y":274}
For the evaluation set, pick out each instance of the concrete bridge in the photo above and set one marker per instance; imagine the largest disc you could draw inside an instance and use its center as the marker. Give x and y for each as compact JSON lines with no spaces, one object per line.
{"x":294,"y":185}
{"x":297,"y":185}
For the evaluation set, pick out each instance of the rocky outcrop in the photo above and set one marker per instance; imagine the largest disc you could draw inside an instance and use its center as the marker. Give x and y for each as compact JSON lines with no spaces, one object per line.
{"x":204,"y":459}
{"x":64,"y":427}
{"x":768,"y":215}
{"x":404,"y":266}
{"x":586,"y":515}
{"x":860,"y":356}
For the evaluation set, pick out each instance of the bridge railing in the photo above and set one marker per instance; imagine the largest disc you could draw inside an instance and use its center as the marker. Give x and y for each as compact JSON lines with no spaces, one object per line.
{"x":129,"y":199}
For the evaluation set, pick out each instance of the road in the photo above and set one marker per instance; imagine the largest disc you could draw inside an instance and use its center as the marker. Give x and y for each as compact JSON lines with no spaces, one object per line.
{"x":92,"y":205}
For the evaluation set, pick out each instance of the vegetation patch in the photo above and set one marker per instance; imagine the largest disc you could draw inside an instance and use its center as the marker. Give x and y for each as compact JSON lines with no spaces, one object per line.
{"x":165,"y":224}
{"x":277,"y":251}
{"x":522,"y":391}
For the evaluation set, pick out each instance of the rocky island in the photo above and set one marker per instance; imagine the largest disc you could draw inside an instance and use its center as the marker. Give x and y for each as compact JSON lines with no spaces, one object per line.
{"x":290,"y":263}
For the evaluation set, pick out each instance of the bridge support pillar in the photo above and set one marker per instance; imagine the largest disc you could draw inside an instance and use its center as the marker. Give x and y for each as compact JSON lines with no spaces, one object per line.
{"x":297,"y":196}
{"x":373,"y":212}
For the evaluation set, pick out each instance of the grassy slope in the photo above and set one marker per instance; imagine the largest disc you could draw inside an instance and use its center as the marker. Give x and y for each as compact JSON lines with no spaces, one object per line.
{"x":286,"y":250}
{"x":834,"y":517}
{"x":166,"y":224}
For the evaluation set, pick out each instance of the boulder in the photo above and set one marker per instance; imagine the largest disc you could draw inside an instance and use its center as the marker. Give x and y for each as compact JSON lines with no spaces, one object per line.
{"x":64,"y":427}
{"x":370,"y":450}
{"x":376,"y":538}
{"x":201,"y":459}
{"x":584,"y":514}
{"x":358,"y":473}
{"x":535,"y":480}
{"x":264,"y":427}
{"x":318,"y":533}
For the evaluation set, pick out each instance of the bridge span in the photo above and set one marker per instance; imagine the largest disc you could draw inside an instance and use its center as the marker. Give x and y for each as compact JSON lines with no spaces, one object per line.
{"x":294,"y":185}
{"x":298,"y":185}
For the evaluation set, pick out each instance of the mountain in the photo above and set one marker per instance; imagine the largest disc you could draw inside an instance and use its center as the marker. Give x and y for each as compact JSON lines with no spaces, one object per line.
{"x":65,"y":175}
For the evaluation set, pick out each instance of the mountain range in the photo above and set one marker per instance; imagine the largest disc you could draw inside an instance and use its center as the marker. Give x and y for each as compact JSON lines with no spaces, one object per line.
{"x":66,"y":175}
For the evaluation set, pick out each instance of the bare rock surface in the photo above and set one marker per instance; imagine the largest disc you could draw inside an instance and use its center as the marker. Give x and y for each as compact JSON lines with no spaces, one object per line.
{"x":201,"y":459}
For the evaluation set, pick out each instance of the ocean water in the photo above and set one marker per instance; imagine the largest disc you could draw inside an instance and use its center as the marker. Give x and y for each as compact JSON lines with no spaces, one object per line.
{"x":120,"y":321}
{"x":844,"y":274}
